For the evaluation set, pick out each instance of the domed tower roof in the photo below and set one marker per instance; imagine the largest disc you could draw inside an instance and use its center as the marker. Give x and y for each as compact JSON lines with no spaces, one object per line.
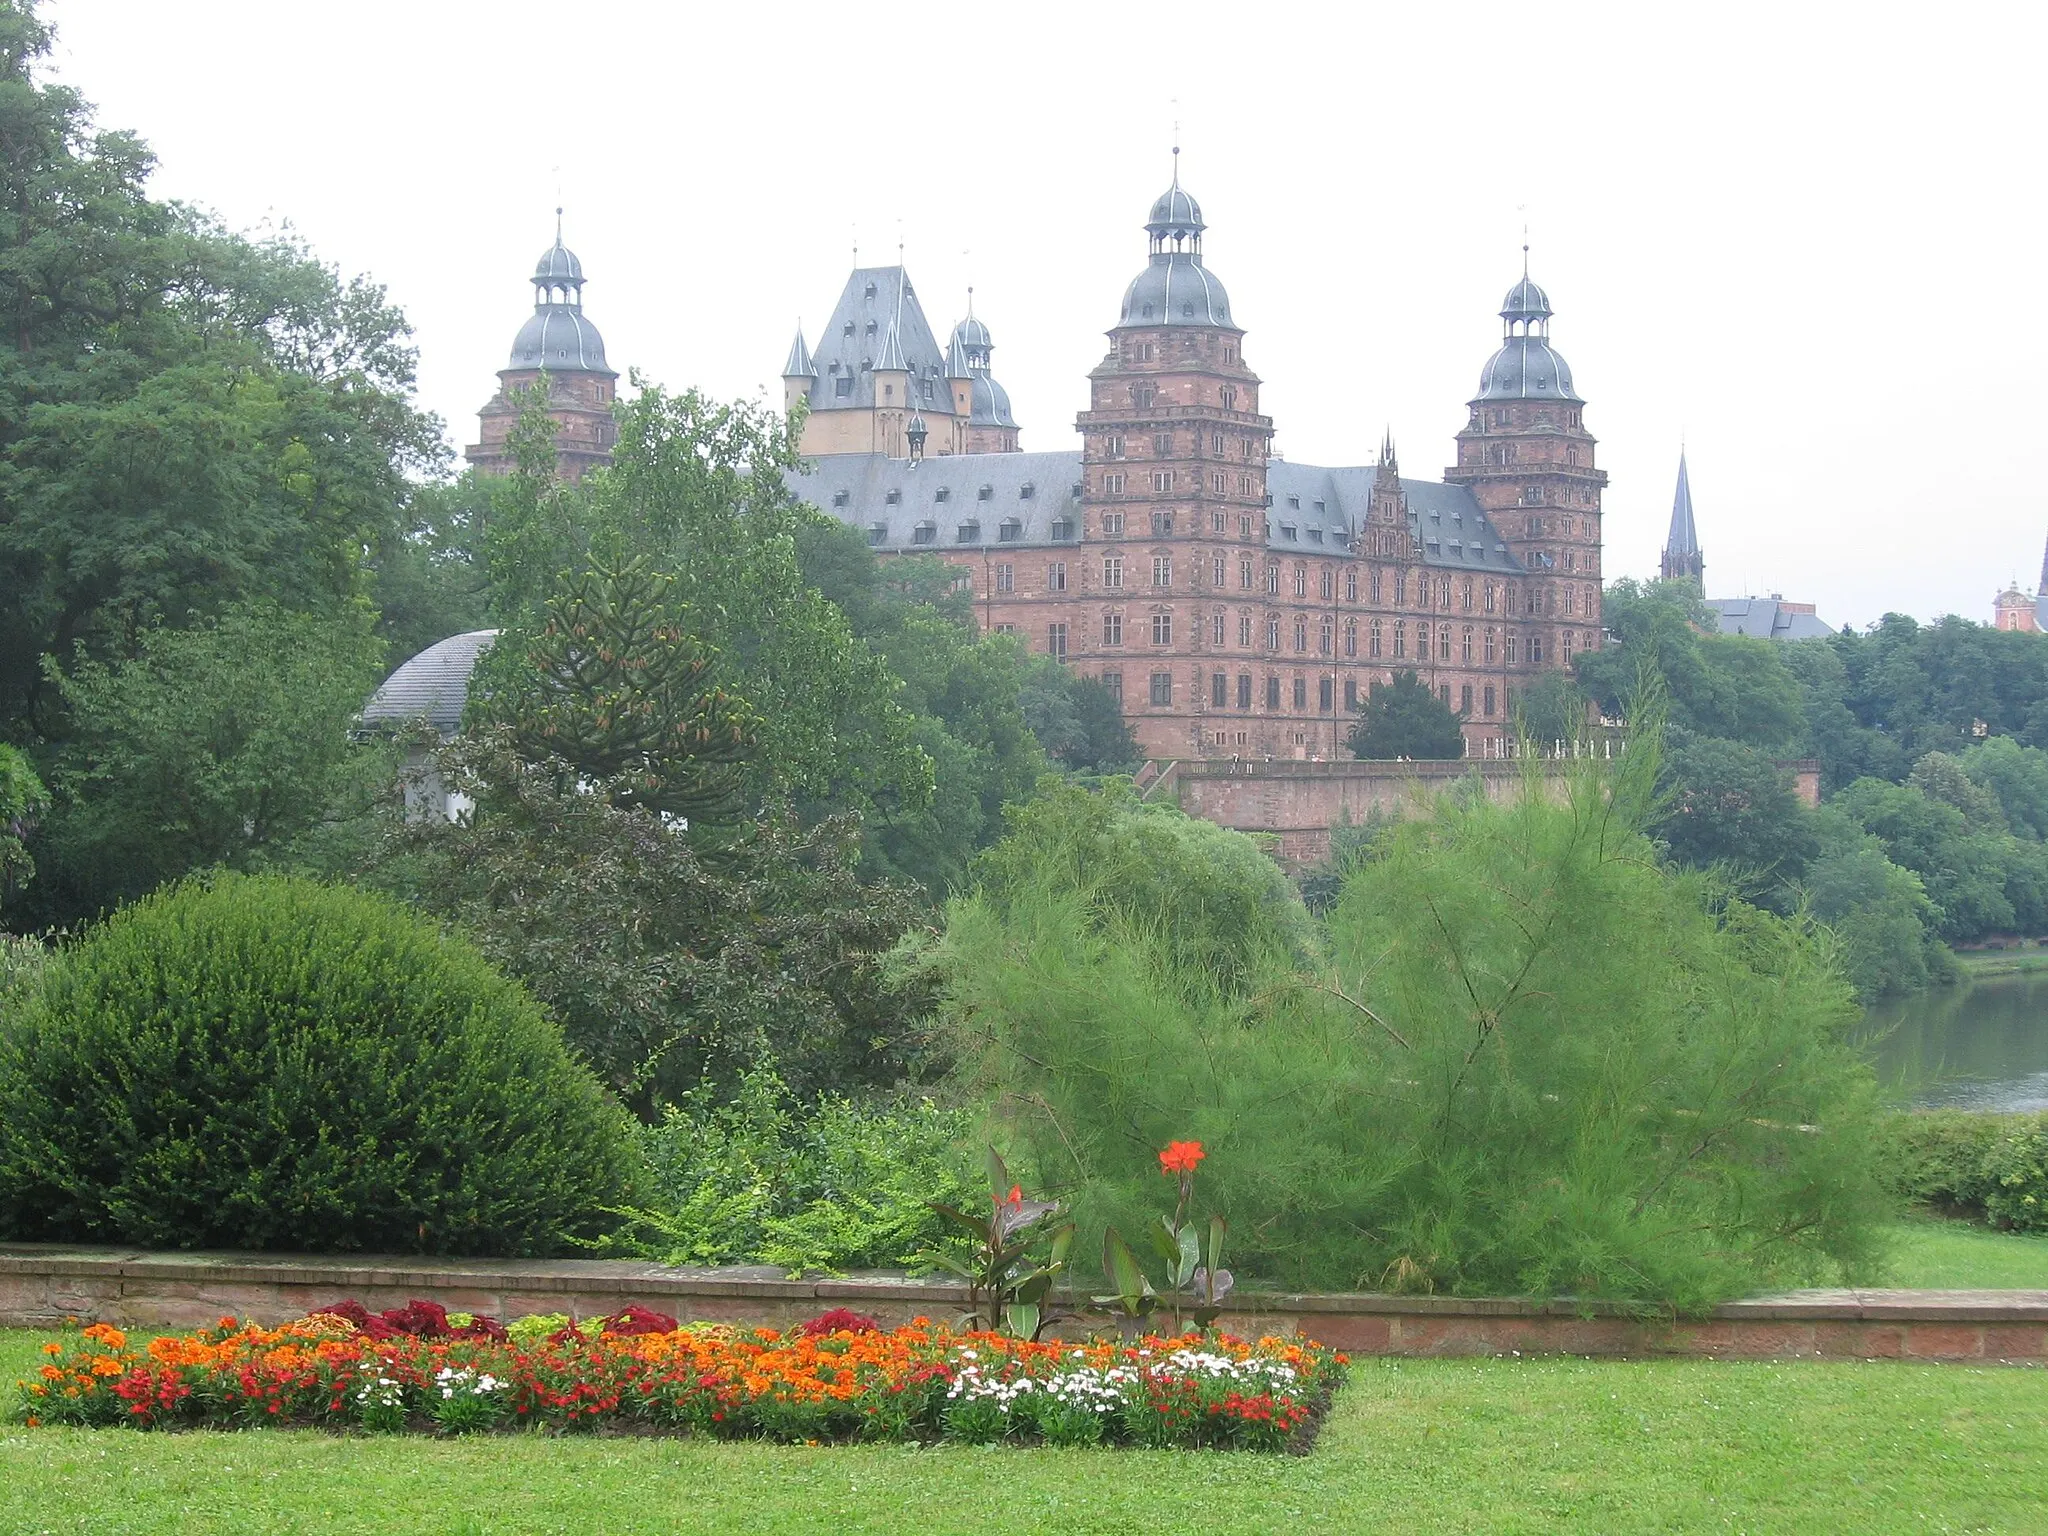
{"x":991,"y":403}
{"x":1526,"y":367}
{"x":972,"y":337}
{"x":1176,"y":288}
{"x":558,"y":336}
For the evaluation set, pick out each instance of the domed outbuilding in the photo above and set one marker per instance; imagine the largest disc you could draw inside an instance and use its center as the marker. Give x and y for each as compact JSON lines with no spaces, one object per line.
{"x":428,"y":693}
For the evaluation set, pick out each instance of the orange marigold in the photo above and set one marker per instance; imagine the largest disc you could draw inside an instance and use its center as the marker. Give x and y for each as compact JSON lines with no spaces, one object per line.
{"x":1181,"y":1157}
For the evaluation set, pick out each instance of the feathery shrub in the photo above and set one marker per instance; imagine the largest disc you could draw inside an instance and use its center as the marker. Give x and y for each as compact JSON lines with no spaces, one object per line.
{"x":1530,"y":1060}
{"x":270,"y":1063}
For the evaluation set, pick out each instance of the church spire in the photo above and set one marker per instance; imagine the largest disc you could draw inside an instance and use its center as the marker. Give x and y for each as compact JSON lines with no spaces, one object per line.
{"x":1682,"y":545}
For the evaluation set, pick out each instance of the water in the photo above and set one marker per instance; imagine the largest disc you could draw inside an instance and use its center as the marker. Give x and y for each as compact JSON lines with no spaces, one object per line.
{"x":1977,"y":1045}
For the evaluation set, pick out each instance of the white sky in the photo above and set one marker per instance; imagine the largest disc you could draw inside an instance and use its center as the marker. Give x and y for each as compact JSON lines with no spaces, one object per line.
{"x":1807,"y":237}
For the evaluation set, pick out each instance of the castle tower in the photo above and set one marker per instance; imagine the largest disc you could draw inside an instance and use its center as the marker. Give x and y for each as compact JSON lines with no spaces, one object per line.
{"x":559,"y":344}
{"x":875,"y":366}
{"x":1173,"y":476}
{"x":1527,"y":458}
{"x":990,"y":426}
{"x":1682,"y":556}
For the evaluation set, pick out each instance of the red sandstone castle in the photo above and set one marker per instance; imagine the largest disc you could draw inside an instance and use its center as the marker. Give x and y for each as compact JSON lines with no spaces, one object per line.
{"x":1237,"y":603}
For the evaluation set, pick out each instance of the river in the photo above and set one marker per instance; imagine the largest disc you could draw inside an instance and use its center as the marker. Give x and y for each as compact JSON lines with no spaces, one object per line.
{"x":1978,"y":1045}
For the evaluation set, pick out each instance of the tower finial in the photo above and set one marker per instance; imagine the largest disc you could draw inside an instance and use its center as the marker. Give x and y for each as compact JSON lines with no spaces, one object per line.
{"x":970,"y":301}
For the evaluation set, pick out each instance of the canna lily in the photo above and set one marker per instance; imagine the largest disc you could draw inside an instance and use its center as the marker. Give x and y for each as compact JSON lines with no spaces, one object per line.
{"x":1180,"y":1157}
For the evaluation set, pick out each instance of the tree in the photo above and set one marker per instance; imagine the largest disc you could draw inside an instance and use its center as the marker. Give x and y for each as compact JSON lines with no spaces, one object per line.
{"x":225,"y":744}
{"x":1553,"y":708}
{"x":189,"y":421}
{"x":1078,"y":721}
{"x":1728,"y":804}
{"x":1964,"y":874}
{"x":616,"y":861}
{"x":1941,"y":777}
{"x":1404,"y":719}
{"x":2018,"y":776}
{"x":22,"y":801}
{"x":616,"y":686}
{"x":1879,"y":912}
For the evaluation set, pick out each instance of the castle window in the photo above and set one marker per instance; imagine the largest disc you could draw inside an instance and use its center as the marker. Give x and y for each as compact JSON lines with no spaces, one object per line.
{"x":1291,"y":533}
{"x":1294,"y":502}
{"x":1056,"y":641}
{"x":1326,"y":583}
{"x":1216,"y":525}
{"x":1216,"y":627}
{"x":1026,"y":491}
{"x":924,"y":533}
{"x":1273,"y":632}
{"x":1301,"y":693}
{"x":839,"y":498}
{"x":1113,"y":446}
{"x":1508,"y":647}
{"x":871,"y":294}
{"x":970,"y":533}
{"x":870,"y":329}
{"x":1216,"y":484}
{"x":1300,"y":635}
{"x":1010,"y":530}
{"x":1351,"y":586}
{"x":1272,"y":576}
{"x":847,"y":332}
{"x":1162,"y":689}
{"x":1489,"y":650}
{"x":1351,"y":693}
{"x":842,"y":386}
{"x":1062,"y":530}
{"x":1187,"y":311}
{"x":1216,"y":444}
{"x":1465,"y":650}
{"x":1056,"y":574}
{"x":1162,"y":570}
{"x":1219,"y":690}
{"x":1113,"y":524}
{"x":1142,"y":395}
{"x":1372,"y":641}
{"x":1162,"y":479}
{"x":893,"y":498}
{"x":1244,"y":630}
{"x":1162,"y":522}
{"x":927,"y":389}
{"x":1113,"y":485}
{"x":878,"y":533}
{"x":1229,"y":401}
{"x":1272,"y":693}
{"x":1218,"y":574}
{"x":1112,"y":629}
{"x":1114,"y":682}
{"x":1113,"y":571}
{"x":1325,"y":687}
{"x":1489,"y":700}
{"x":1300,"y":579}
{"x":1162,"y":629}
{"x":986,"y":493}
{"x":1532,"y":495}
{"x":942,"y":494}
{"x":1006,"y":578}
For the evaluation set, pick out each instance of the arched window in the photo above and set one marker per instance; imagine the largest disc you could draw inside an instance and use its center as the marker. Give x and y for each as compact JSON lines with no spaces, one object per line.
{"x":1372,"y":643}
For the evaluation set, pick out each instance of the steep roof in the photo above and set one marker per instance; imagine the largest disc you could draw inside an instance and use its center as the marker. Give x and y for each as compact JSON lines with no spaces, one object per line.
{"x":875,"y":301}
{"x":1684,"y":538}
{"x":1769,"y":618}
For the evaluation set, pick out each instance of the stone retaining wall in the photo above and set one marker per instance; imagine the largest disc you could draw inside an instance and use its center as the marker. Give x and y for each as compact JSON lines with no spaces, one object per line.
{"x":41,"y":1285}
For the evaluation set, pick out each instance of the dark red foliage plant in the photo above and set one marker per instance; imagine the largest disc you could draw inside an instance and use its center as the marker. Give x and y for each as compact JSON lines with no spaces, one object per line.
{"x":838,"y":1320}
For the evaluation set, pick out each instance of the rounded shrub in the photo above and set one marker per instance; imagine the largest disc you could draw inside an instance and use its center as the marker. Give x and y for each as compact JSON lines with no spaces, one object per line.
{"x":261,"y":1062}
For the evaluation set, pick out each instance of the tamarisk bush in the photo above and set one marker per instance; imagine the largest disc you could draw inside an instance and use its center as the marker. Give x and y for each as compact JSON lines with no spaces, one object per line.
{"x":1522,"y":1057}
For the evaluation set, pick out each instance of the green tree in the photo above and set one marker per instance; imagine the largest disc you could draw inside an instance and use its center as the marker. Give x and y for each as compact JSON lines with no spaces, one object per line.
{"x":1404,"y":719}
{"x":1553,"y":708}
{"x":615,"y":686}
{"x":1964,"y":874}
{"x":1879,"y":912}
{"x":1942,"y":777}
{"x":189,"y":421}
{"x":2018,"y":776}
{"x":1728,"y":804}
{"x":226,"y":744}
{"x":22,"y":802}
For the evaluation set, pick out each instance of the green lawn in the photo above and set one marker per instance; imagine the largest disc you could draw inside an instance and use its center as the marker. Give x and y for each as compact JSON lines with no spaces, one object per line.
{"x":1958,"y":1255}
{"x":1414,"y":1446}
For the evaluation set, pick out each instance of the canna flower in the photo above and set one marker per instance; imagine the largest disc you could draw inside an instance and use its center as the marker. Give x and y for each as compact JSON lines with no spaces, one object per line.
{"x":1180,"y":1157}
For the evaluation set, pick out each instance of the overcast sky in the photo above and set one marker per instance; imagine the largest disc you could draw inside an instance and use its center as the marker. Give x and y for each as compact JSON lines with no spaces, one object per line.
{"x":1805,"y":238}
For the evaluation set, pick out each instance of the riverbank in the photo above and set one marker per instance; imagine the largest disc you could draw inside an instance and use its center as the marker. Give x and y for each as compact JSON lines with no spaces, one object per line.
{"x":1975,"y":963}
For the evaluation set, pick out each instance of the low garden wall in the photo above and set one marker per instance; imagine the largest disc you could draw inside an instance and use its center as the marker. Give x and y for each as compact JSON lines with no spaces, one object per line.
{"x":41,"y":1285}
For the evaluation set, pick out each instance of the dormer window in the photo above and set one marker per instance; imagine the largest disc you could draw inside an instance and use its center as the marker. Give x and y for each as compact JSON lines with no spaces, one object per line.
{"x":1458,"y":548}
{"x":893,"y":498}
{"x":970,"y":533}
{"x":849,"y":329}
{"x":1062,"y":530}
{"x":878,"y":533}
{"x":986,"y":493}
{"x":1290,"y":532}
{"x":1435,"y":546}
{"x":1315,"y":535}
{"x":839,"y":498}
{"x":1321,"y":508}
{"x":870,"y":328}
{"x":871,"y":290}
{"x":924,"y":533}
{"x":1294,"y":502}
{"x":1026,"y":491}
{"x":1010,"y":530}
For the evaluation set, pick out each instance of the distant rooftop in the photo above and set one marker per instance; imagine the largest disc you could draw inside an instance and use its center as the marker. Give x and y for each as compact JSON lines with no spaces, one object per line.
{"x":1769,"y":618}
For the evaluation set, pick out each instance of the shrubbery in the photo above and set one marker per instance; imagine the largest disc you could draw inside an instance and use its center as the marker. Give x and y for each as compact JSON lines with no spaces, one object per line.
{"x":274,"y":1064}
{"x":1972,"y":1163}
{"x":837,"y":1184}
{"x":1536,"y":1061}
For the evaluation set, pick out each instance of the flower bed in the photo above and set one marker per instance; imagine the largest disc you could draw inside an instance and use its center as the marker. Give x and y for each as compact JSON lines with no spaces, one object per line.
{"x":838,"y":1377}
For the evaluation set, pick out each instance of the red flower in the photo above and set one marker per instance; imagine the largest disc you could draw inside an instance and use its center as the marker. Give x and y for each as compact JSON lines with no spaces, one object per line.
{"x":1180,"y":1157}
{"x":1014,"y":1197}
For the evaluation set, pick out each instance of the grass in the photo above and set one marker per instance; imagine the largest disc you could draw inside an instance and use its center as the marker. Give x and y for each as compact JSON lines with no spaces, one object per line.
{"x":1943,"y":1254}
{"x":1418,"y":1446}
{"x":2002,"y":962}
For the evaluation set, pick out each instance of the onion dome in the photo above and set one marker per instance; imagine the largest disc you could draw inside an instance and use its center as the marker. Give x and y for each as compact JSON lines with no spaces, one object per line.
{"x":1175,"y":288}
{"x":991,"y":403}
{"x":557,"y":336}
{"x":973,"y":335}
{"x":1526,"y":367}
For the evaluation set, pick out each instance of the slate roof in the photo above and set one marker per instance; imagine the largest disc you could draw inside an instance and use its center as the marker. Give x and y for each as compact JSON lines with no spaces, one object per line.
{"x":559,"y":338}
{"x":857,"y":352}
{"x":433,"y":686}
{"x":1684,"y":538}
{"x":1315,"y":510}
{"x":1767,"y":618}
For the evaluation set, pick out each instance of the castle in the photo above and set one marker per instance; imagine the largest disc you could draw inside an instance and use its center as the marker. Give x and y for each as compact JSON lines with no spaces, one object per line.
{"x":1238,"y":604}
